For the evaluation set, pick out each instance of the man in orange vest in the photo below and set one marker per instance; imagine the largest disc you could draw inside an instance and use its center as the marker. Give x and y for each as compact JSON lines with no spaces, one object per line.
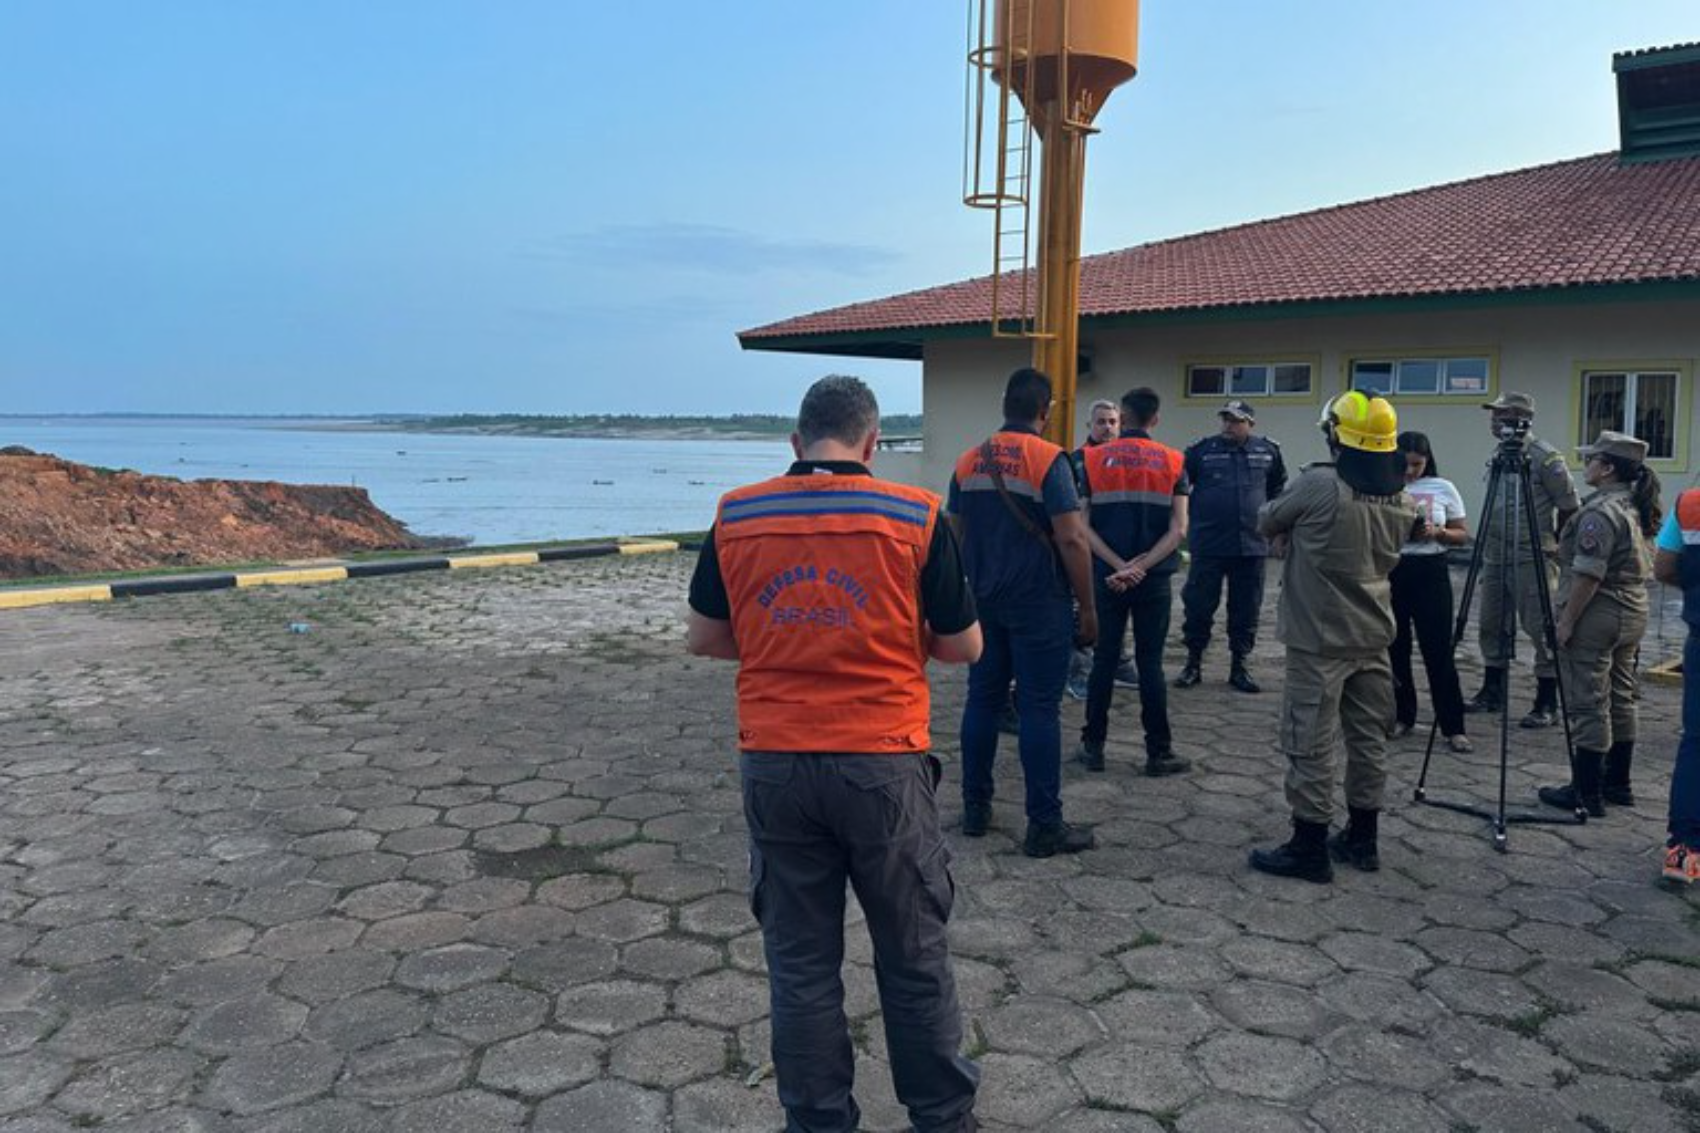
{"x":831,"y":589}
{"x":1024,"y":544}
{"x":1137,"y":492}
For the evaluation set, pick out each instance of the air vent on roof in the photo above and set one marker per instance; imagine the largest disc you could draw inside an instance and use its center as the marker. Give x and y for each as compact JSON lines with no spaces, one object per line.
{"x":1658,"y":102}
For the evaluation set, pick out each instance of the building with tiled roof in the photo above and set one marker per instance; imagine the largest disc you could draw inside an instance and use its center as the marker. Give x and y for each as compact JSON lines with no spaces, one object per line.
{"x":1578,"y":282}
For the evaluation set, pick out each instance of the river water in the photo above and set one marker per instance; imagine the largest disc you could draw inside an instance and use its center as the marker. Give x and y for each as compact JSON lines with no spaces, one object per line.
{"x":487,"y":489}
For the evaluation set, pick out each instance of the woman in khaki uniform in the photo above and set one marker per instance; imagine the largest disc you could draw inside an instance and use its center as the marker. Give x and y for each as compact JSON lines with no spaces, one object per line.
{"x":1602,"y":613}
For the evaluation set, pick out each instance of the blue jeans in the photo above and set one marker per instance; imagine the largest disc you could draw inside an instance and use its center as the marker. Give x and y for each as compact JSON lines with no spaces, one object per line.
{"x":1030,"y":644}
{"x":1685,"y":778}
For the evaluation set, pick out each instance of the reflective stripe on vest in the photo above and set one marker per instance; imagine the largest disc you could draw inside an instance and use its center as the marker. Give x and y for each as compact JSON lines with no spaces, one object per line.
{"x":823,"y":574}
{"x":1132,"y":483}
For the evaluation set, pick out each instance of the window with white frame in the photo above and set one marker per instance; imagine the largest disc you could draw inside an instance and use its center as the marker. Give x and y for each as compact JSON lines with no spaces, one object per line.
{"x":1249,"y":379}
{"x":1433,"y":376}
{"x":1639,"y":402}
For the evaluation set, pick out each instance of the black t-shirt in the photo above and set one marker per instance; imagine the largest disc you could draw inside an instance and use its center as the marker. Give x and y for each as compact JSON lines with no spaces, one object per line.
{"x":947,"y":605}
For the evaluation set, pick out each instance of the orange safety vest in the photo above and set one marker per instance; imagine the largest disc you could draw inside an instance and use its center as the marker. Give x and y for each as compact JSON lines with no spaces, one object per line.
{"x":1005,"y":563}
{"x":824,"y":578}
{"x":1132,"y":481}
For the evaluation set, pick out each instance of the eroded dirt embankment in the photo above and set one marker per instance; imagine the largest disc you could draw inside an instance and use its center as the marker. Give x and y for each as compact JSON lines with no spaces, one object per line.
{"x":57,"y":517}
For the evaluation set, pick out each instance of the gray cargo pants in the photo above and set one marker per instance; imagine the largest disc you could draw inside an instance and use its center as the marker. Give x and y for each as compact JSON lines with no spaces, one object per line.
{"x":818,"y":822}
{"x":1325,"y":696}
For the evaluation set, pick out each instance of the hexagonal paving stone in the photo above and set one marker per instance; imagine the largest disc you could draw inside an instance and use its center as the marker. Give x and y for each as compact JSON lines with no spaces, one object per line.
{"x":1164,"y":966}
{"x":1037,"y":1025}
{"x":555,"y":967}
{"x":724,"y":999}
{"x":1387,"y":1057}
{"x":607,"y":1106}
{"x":676,"y":883}
{"x":612,"y":1007}
{"x":386,"y":899}
{"x":260,"y":1080}
{"x":320,"y":979}
{"x":366,"y":1019}
{"x":1129,"y":1076}
{"x":1361,"y":952}
{"x":490,"y":1012}
{"x":465,"y":1111}
{"x":103,"y":1092}
{"x":416,"y":932}
{"x":1261,"y":1066}
{"x":452,"y":967}
{"x":1239,"y":1115}
{"x":242,"y":1024}
{"x":541,"y":1063}
{"x":668,"y":1054}
{"x":581,"y":890}
{"x":724,"y":915}
{"x":29,"y":1079}
{"x":669,"y":958}
{"x":1023,"y":1092}
{"x":723,"y":1105}
{"x":622,"y":921}
{"x":1282,"y":962}
{"x":1274,"y":1009}
{"x":396,"y":1072}
{"x":1374,"y":1109}
{"x":97,"y":1034}
{"x":1469,"y":949}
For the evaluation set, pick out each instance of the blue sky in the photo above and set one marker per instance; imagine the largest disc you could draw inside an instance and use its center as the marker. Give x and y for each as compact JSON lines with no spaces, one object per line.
{"x":554,"y":206}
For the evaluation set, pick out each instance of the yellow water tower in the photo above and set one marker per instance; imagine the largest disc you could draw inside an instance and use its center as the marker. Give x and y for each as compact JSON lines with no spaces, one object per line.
{"x":1041,"y":69}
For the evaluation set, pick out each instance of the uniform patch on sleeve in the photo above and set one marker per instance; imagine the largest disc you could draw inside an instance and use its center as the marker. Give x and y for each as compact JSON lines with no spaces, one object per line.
{"x":1592,"y":534}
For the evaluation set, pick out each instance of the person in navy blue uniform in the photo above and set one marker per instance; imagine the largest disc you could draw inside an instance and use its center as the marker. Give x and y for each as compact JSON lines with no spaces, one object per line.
{"x":1024,"y":544}
{"x":1233,"y":474}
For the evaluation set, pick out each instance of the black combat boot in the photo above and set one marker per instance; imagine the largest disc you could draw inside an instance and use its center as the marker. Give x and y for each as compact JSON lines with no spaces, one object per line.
{"x":1545,"y":712}
{"x":1044,"y":840}
{"x":1355,"y":845}
{"x":1492,"y":696}
{"x":1165,"y":762}
{"x":1616,"y":789}
{"x":1583,"y":790}
{"x":1090,"y":754}
{"x":1305,"y":856}
{"x":1192,"y":672}
{"x":1240,"y":677}
{"x":976,"y":818}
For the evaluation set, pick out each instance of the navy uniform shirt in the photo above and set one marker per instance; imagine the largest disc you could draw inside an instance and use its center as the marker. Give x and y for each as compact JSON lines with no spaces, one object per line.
{"x":1229,"y":483}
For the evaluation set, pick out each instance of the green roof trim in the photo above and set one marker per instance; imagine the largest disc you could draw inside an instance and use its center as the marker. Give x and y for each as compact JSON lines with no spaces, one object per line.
{"x":908,"y":342}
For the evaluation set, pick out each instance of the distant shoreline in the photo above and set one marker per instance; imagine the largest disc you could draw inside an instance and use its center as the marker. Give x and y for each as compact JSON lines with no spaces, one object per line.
{"x":621,"y":427}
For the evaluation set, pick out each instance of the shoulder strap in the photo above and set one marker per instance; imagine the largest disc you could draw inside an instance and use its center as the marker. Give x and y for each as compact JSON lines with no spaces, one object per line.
{"x":988,"y":457}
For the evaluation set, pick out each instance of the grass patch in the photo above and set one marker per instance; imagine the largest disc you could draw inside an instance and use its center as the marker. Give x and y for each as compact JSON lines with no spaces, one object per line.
{"x":1529,"y":1023}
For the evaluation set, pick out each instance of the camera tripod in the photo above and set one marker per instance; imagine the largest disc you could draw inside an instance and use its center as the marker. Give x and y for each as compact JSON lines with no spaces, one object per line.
{"x":1509,"y":466}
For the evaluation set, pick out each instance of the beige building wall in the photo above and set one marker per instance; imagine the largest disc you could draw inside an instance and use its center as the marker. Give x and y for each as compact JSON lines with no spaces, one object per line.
{"x":1541,"y":350}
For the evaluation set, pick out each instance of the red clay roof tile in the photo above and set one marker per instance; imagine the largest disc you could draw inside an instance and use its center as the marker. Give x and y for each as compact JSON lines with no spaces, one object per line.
{"x":1578,"y":223}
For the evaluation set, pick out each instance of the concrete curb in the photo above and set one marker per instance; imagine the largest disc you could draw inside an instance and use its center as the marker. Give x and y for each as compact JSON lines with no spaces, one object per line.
{"x":24,"y":598}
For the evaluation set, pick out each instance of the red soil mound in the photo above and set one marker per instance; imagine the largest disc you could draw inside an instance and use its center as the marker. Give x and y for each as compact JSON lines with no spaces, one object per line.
{"x":62,"y":518}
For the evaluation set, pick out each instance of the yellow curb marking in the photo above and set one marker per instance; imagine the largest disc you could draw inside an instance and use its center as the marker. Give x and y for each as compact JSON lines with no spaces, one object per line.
{"x":22,"y":599}
{"x":648,"y":548}
{"x":517,"y":558}
{"x":291,"y":577}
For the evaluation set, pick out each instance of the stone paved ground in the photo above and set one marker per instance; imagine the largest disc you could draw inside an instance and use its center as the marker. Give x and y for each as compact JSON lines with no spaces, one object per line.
{"x":468,"y":856}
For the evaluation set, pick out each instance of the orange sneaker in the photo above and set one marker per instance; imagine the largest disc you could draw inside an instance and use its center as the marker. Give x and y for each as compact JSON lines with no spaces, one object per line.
{"x":1682,"y":863}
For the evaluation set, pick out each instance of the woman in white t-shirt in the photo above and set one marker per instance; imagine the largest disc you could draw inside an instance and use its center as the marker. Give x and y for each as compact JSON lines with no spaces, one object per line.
{"x":1422,"y":596}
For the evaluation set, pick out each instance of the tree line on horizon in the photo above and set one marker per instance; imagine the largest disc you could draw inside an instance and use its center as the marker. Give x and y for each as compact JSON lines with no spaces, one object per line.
{"x":767,"y":424}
